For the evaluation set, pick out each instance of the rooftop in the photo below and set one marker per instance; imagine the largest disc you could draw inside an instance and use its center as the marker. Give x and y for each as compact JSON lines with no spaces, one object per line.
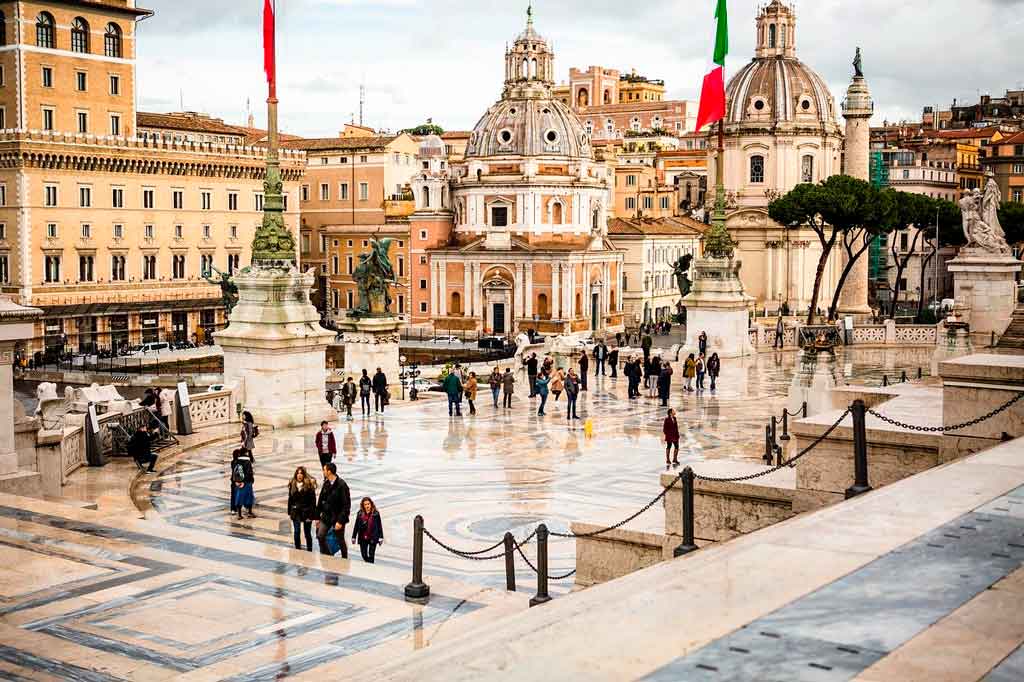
{"x":669,"y":226}
{"x":192,"y":121}
{"x":340,"y":143}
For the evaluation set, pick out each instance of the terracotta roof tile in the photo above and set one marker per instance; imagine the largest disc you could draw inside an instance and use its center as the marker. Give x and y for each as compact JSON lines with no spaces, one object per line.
{"x":186,"y":121}
{"x":671,"y":226}
{"x":339,"y":143}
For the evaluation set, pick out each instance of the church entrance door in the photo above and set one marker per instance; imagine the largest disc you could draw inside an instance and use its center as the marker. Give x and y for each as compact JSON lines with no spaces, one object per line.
{"x":498,"y":316}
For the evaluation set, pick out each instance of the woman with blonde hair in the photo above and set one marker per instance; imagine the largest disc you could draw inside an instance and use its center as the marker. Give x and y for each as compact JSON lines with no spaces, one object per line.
{"x":302,"y":505}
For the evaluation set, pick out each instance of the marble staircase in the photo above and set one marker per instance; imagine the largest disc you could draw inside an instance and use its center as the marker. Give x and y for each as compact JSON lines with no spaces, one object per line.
{"x":1013,"y":337}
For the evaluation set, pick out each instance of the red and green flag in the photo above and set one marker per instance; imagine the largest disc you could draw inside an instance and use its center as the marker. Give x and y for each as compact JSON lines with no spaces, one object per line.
{"x":712,"y":93}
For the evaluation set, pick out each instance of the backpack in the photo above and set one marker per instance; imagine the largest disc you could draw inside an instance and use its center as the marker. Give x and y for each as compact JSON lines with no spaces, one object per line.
{"x":238,"y":473}
{"x":255,"y":431}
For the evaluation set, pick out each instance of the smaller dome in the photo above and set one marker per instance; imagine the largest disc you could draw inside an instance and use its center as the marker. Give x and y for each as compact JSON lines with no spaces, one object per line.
{"x":431,"y":145}
{"x":778,"y":89}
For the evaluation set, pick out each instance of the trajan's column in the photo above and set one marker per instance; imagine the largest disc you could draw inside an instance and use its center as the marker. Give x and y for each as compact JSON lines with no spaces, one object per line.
{"x":857,"y":110}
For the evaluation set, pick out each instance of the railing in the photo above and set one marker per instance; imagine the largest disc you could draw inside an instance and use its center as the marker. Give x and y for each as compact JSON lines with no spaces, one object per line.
{"x":210,"y":409}
{"x":72,"y":451}
{"x":881,"y":334}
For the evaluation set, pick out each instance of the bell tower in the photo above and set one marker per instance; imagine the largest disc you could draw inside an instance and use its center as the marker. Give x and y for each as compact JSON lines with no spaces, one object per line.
{"x":529,"y":64}
{"x":776,"y":31}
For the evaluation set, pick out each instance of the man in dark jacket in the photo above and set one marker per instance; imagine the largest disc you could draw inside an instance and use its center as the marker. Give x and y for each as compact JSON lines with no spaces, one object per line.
{"x":671,"y":430}
{"x":584,"y":368}
{"x":613,"y":362}
{"x":453,"y":388}
{"x":140,"y":448}
{"x":325,"y":445}
{"x":333,"y":508}
{"x":600,"y":355}
{"x":645,"y":345}
{"x":531,"y":373}
{"x":380,"y":390}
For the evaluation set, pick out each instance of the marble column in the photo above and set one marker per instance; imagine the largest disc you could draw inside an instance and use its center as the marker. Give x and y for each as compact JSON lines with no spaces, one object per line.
{"x":556,"y":291}
{"x":467,"y":292}
{"x":442,"y":288}
{"x":528,"y":292}
{"x":858,"y":108}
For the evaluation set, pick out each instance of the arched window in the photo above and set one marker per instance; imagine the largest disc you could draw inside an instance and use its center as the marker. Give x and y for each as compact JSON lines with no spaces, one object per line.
{"x":44,"y":30}
{"x":112,"y":41}
{"x":556,"y":213}
{"x":607,"y":96}
{"x":782,"y":35}
{"x":807,"y":168}
{"x":771,"y":35}
{"x":3,"y":29}
{"x":79,"y":35}
{"x":596,"y":220}
{"x":542,"y":307}
{"x":533,"y":68}
{"x":426,"y":197}
{"x":757,"y":169}
{"x":583,"y":98}
{"x":635,"y":124}
{"x":525,"y":72}
{"x":456,"y":306}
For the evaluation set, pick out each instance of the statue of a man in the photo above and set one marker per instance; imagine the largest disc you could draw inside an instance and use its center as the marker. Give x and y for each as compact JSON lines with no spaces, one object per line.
{"x":681,"y":271}
{"x":858,"y":66}
{"x":228,"y":288}
{"x":374,"y":276}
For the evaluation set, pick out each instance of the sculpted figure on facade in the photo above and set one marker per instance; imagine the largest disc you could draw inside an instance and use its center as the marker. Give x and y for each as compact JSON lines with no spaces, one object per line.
{"x":228,"y":288}
{"x":681,"y":272}
{"x":374,"y":277}
{"x":981,"y":219}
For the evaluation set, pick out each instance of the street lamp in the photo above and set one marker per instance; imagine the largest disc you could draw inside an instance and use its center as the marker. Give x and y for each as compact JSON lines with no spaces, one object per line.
{"x":408,"y":377}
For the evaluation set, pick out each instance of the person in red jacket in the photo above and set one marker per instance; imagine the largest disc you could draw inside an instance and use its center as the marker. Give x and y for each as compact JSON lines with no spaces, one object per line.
{"x":671,"y":431}
{"x":325,"y":446}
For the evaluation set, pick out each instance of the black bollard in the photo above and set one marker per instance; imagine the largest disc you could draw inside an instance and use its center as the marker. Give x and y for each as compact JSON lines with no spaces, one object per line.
{"x":903,"y":377}
{"x":785,"y":425}
{"x":775,"y":427}
{"x":510,"y":563}
{"x":805,"y":409}
{"x":687,"y":545}
{"x":542,"y":596}
{"x":779,"y":461}
{"x":885,"y":379}
{"x":860,"y":451}
{"x":920,"y":373}
{"x":768,"y":452}
{"x":417,"y":591}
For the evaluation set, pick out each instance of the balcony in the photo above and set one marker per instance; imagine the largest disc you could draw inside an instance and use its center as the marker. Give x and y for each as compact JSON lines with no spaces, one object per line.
{"x":399,"y":205}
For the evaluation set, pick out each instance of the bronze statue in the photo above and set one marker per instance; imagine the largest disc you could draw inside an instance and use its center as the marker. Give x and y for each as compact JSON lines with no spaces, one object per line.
{"x":228,"y":288}
{"x":858,"y":66}
{"x":374,"y":277}
{"x":681,"y":271}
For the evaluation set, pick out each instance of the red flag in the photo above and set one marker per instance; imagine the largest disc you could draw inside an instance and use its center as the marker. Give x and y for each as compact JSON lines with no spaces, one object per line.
{"x":269,"y":51}
{"x":712,"y":94}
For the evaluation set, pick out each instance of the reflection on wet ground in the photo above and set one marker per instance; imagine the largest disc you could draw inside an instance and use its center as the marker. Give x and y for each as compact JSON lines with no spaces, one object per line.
{"x":477,"y":477}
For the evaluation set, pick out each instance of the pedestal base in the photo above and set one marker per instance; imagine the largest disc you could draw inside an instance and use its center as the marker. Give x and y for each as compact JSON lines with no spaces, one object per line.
{"x":985,"y":285}
{"x":718,"y":307}
{"x":372,"y":342}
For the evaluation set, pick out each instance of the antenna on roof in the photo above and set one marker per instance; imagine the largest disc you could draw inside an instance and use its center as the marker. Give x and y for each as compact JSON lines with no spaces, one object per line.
{"x":362,"y":100}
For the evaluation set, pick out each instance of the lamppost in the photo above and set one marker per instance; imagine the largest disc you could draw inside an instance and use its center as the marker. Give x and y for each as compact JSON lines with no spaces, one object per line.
{"x":408,"y":377}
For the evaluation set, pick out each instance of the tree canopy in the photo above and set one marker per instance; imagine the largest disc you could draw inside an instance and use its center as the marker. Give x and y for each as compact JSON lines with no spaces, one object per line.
{"x":425,"y":129}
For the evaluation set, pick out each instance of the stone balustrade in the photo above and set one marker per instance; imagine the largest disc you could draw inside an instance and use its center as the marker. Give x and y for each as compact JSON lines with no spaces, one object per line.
{"x":211,"y":409}
{"x":887,"y":334}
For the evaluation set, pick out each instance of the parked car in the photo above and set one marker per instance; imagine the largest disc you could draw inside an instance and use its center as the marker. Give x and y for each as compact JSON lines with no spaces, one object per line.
{"x":153,"y":348}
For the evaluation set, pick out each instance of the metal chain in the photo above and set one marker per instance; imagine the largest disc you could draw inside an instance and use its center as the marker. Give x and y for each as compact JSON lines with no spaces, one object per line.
{"x":790,"y":462}
{"x":956,"y":427}
{"x":650,"y":504}
{"x":534,"y":568}
{"x":464,"y":555}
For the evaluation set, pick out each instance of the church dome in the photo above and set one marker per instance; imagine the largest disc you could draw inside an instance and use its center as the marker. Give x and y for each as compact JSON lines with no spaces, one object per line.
{"x":776,"y":86}
{"x":528,"y":120}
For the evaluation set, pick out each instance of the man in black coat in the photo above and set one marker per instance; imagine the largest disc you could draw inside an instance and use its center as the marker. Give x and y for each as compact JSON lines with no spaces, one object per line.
{"x":531,"y":373}
{"x":613,"y":362}
{"x":333,"y":507}
{"x":600,"y":355}
{"x":140,"y":448}
{"x":380,"y":390}
{"x":584,"y":368}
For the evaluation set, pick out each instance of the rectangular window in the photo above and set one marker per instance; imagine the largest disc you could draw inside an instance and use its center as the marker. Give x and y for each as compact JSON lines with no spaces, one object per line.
{"x":86,"y":231}
{"x":179,"y":232}
{"x":258,"y":200}
{"x":362,"y":159}
{"x":401,"y":266}
{"x":1018,"y":195}
{"x":324,"y":161}
{"x":47,"y":77}
{"x":232,"y":201}
{"x":284,"y":202}
{"x":5,"y":271}
{"x":118,"y":231}
{"x":648,"y":203}
{"x":206,"y":197}
{"x":84,"y":197}
{"x":631,"y":203}
{"x":115,"y":85}
{"x":48,"y":118}
{"x":364,"y":191}
{"x":148,"y":231}
{"x":3,"y":76}
{"x":423,"y":260}
{"x":3,"y":117}
{"x":148,"y":198}
{"x":117,"y":197}
{"x":81,"y":81}
{"x":423,"y":306}
{"x":343,"y":159}
{"x":349,"y":265}
{"x":178,"y":199}
{"x":630,"y":180}
{"x":3,"y":195}
{"x":305,"y":243}
{"x":499,"y":216}
{"x":343,"y":191}
{"x":323,"y":243}
{"x":664,"y":203}
{"x":1018,"y":168}
{"x":401,"y":305}
{"x":53,"y":269}
{"x":206,"y":231}
{"x":117,"y":268}
{"x":83,"y":122}
{"x":85,"y":267}
{"x":305,"y":193}
{"x":325,"y":191}
{"x":335,"y":265}
{"x":233,"y":231}
{"x":351,"y":302}
{"x":903,"y":241}
{"x":51,"y":230}
{"x":3,"y":232}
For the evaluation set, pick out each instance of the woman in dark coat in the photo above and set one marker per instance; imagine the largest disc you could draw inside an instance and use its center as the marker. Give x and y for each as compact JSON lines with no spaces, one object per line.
{"x":242,"y":479}
{"x":302,"y":506}
{"x":714,"y":368}
{"x":368,"y":529}
{"x":664,"y":383}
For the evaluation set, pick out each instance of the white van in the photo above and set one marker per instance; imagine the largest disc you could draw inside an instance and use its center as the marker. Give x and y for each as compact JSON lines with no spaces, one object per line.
{"x":156,"y":347}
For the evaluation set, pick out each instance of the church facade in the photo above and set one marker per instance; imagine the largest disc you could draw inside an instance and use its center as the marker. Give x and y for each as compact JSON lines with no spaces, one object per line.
{"x":515,"y":235}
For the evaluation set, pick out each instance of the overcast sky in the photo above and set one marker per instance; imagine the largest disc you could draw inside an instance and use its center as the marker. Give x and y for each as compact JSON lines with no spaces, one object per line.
{"x":444,"y":59}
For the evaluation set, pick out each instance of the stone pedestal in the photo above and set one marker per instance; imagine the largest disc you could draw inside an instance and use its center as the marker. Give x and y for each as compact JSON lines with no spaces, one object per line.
{"x":371,"y":342}
{"x":718,"y":306}
{"x":16,"y":324}
{"x":274,"y":347}
{"x":986,"y":288}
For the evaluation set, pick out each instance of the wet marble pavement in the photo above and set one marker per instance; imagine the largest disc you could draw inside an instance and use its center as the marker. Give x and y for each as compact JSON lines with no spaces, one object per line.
{"x":477,"y":477}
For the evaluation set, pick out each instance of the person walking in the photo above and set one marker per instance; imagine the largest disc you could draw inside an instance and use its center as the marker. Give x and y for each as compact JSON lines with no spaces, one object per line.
{"x":542,"y":390}
{"x":325,"y":444}
{"x":714,"y":368}
{"x":600,"y":356}
{"x":653,"y":371}
{"x":645,"y":345}
{"x":613,"y":362}
{"x":632,"y":372}
{"x":333,"y":508}
{"x":302,"y":506}
{"x":365,"y":389}
{"x":664,"y":383}
{"x":380,"y":392}
{"x":689,"y":371}
{"x":584,"y":368}
{"x":702,"y":343}
{"x":140,"y":447}
{"x":452,"y":385}
{"x":531,"y":373}
{"x":249,"y":432}
{"x":508,"y":382}
{"x":780,"y":333}
{"x":471,"y":389}
{"x":494,"y":381}
{"x":348,"y":397}
{"x":670,"y":428}
{"x":368,"y":529}
{"x":701,"y":367}
{"x":557,"y":383}
{"x":243,"y":478}
{"x":572,"y":393}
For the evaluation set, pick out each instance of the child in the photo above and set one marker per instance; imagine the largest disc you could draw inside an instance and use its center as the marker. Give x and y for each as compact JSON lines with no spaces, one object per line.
{"x":368,"y":529}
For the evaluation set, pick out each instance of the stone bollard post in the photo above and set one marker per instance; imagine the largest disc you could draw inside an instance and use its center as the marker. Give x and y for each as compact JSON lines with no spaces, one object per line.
{"x":417,"y":591}
{"x":688,"y":545}
{"x":860,"y":451}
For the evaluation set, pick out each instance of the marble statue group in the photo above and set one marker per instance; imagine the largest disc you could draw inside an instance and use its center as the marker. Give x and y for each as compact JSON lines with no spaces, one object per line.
{"x":981,"y":218}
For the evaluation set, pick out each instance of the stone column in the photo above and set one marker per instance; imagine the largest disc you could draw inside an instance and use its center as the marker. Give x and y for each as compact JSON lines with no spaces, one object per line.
{"x":857,"y":110}
{"x":442,"y":288}
{"x":467,"y":293}
{"x":16,"y":324}
{"x":528,"y":291}
{"x":556,"y":291}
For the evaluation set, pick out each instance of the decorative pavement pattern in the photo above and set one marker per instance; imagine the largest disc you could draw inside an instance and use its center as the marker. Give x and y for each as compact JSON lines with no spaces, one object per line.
{"x":475,"y":478}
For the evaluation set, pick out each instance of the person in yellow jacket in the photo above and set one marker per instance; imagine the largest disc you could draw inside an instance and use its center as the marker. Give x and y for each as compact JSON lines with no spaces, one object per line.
{"x":689,"y":371}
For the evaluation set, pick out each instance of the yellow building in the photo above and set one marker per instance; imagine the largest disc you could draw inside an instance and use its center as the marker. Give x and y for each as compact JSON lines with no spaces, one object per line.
{"x":106,"y":231}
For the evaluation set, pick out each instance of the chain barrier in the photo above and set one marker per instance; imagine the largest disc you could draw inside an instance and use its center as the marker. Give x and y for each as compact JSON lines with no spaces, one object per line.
{"x":790,"y":462}
{"x":534,"y":568}
{"x":476,"y":555}
{"x":570,"y":534}
{"x":956,"y":427}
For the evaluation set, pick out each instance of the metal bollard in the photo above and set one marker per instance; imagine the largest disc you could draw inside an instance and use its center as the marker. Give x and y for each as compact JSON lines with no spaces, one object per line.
{"x":417,"y":591}
{"x":779,"y":461}
{"x":768,"y":451}
{"x":860,"y":451}
{"x":885,"y":379}
{"x":775,"y":427}
{"x":542,"y":596}
{"x":805,"y":409}
{"x":510,"y":563}
{"x":687,"y":545}
{"x":785,"y":425}
{"x":920,"y":373}
{"x":903,"y":377}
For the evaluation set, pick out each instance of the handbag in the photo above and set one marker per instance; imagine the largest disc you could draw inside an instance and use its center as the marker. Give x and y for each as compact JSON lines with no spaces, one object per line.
{"x":332,"y":542}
